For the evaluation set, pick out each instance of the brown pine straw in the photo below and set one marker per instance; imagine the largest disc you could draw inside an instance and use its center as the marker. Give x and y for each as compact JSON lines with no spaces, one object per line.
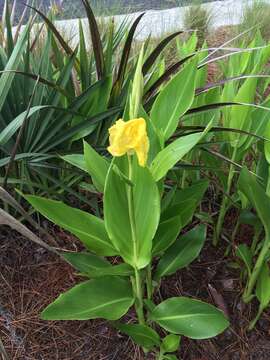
{"x":31,"y":278}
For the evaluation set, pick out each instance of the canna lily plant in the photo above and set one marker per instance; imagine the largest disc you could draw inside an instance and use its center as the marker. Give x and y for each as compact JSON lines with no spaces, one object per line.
{"x":142,"y":218}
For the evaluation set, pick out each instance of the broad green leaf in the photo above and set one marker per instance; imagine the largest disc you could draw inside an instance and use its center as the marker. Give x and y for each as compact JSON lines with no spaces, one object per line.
{"x":153,"y":78}
{"x":184,"y":209}
{"x":202,"y":73}
{"x":260,"y":118}
{"x":88,"y":228}
{"x":263,"y":286}
{"x":95,"y":266}
{"x":187,"y":47}
{"x":248,"y":217}
{"x":267,"y":143}
{"x":182,"y":252}
{"x":120,"y":201}
{"x":87,"y":163}
{"x":85,"y":262}
{"x":170,"y":343}
{"x":166,"y":234}
{"x":114,"y":270}
{"x":191,"y":318}
{"x":179,"y":210}
{"x":155,"y":143}
{"x":240,"y":116}
{"x":76,"y":160}
{"x":167,"y":198}
{"x":137,"y":88}
{"x":108,"y":298}
{"x":192,"y":193}
{"x":174,"y":100}
{"x":96,"y":165}
{"x":142,"y":335}
{"x":174,"y":152}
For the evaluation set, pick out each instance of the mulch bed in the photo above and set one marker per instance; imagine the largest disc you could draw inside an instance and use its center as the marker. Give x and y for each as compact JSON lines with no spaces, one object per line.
{"x":31,"y":278}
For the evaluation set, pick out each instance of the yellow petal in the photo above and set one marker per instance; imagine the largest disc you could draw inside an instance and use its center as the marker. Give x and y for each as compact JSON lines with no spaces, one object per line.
{"x":142,"y":151}
{"x":116,"y":133}
{"x":126,"y":137}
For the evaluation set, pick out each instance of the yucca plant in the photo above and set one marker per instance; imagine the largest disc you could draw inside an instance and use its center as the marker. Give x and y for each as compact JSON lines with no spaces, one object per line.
{"x":255,"y":15}
{"x":198,"y":18}
{"x":48,"y":105}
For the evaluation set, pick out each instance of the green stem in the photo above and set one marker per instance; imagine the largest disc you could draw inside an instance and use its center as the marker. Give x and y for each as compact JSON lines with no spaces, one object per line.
{"x":247,"y":296}
{"x":183,"y":180}
{"x":254,"y":321}
{"x":139,"y":297}
{"x":131,"y":210}
{"x":235,"y":230}
{"x":255,"y":241}
{"x":221,"y":216}
{"x":138,"y":281}
{"x":182,"y":183}
{"x":149,"y":282}
{"x":224,"y":204}
{"x":160,"y":355}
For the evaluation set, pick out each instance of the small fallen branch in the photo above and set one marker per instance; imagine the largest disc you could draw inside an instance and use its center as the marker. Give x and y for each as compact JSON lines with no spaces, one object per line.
{"x":8,"y":199}
{"x":3,"y":352}
{"x":6,"y":219}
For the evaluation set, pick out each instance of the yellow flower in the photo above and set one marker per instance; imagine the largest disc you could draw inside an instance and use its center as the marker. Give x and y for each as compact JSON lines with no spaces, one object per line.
{"x":129,"y":137}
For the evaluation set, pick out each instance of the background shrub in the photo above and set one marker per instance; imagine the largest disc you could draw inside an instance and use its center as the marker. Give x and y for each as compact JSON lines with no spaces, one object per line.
{"x":197,"y":17}
{"x":256,"y":15}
